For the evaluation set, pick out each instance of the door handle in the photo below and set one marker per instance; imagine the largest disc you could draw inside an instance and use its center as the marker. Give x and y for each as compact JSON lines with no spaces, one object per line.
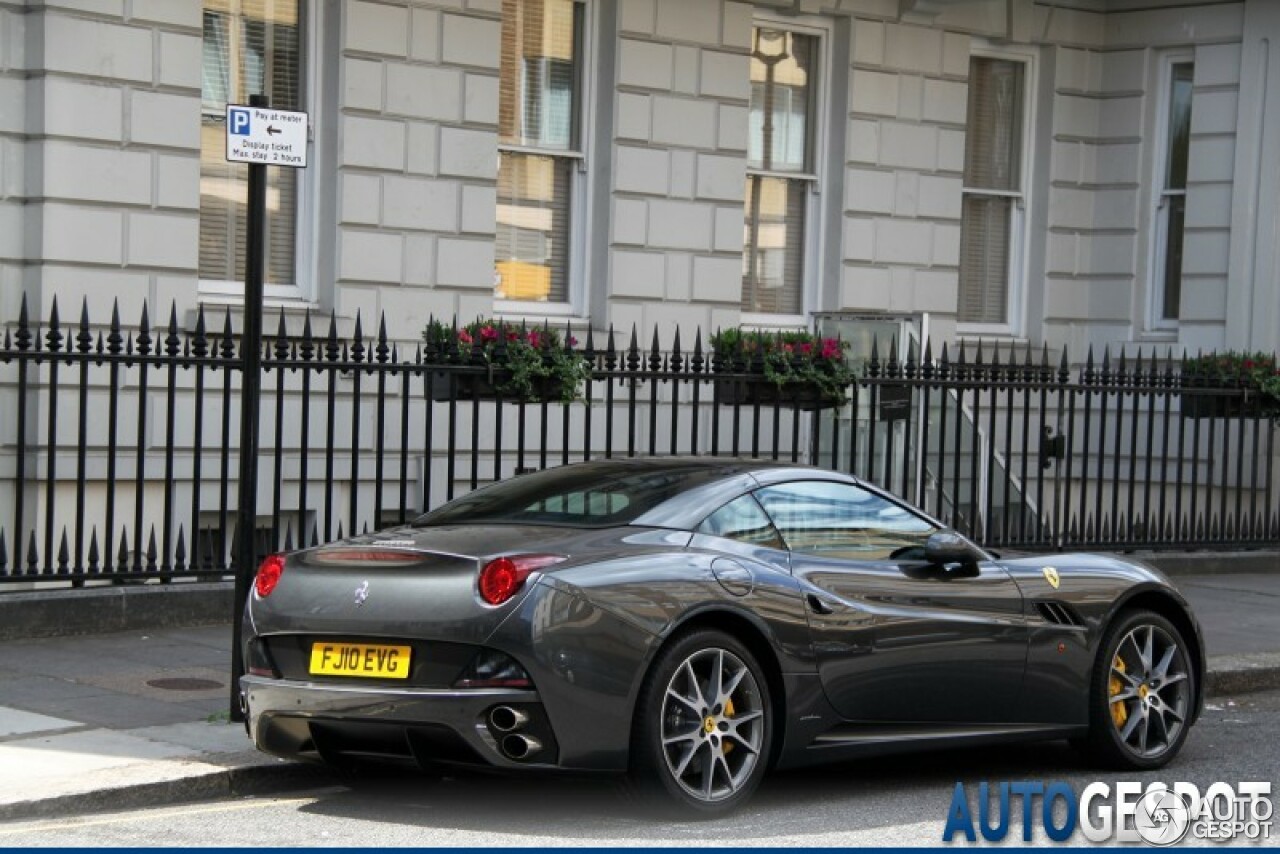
{"x":817,"y":605}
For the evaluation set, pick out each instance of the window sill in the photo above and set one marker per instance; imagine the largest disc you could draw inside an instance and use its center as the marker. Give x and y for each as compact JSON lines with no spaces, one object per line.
{"x":293,"y":311}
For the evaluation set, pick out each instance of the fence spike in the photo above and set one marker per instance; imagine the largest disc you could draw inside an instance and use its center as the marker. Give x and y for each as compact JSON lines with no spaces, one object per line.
{"x":357,"y":341}
{"x":633,"y":351}
{"x":122,"y":553}
{"x":894,"y":366}
{"x":1229,"y":528}
{"x":590,"y":349}
{"x":282,"y":338}
{"x":1199,"y":529}
{"x":873,"y":364}
{"x":944,"y":363}
{"x":365,"y":529}
{"x":500,"y":346}
{"x":610,"y":351}
{"x":53,"y":337}
{"x":340,"y":537}
{"x":677,"y":358}
{"x":172,"y":343}
{"x":33,"y":558}
{"x":698,"y":361}
{"x":94,"y":557}
{"x":23,"y":336}
{"x":199,"y":340}
{"x":315,"y":533}
{"x":144,"y":333}
{"x":288,"y":537}
{"x":4,"y":555}
{"x":84,"y":339}
{"x":8,"y":345}
{"x":655,"y":354}
{"x":227,"y":347}
{"x":152,"y":552}
{"x":64,"y":554}
{"x":383,"y":349}
{"x":307,"y":348}
{"x":180,"y":553}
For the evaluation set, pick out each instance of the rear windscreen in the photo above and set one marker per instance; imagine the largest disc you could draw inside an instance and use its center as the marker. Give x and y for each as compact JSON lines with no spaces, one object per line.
{"x":594,"y":496}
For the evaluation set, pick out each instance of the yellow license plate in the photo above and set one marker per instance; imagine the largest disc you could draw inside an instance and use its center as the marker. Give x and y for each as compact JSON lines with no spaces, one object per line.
{"x":360,"y":659}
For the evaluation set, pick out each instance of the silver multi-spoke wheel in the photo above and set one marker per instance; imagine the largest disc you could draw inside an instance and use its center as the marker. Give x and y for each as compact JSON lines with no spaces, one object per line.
{"x":1149,"y":690}
{"x":1144,"y":691}
{"x":713,"y":725}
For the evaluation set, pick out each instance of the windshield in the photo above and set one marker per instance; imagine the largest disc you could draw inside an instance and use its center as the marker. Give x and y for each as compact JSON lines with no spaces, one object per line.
{"x":591,"y":496}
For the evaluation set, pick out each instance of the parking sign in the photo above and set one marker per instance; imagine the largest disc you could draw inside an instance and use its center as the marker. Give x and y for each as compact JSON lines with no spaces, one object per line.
{"x":268,"y":137}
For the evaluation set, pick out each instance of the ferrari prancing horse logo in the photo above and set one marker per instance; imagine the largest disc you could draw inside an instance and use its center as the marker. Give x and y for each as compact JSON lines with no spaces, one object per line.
{"x":362,"y":593}
{"x":1051,"y":576}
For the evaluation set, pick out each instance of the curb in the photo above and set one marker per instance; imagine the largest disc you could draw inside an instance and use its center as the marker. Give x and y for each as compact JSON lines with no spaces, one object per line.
{"x":1242,"y":674}
{"x":242,"y":781}
{"x":97,"y":610}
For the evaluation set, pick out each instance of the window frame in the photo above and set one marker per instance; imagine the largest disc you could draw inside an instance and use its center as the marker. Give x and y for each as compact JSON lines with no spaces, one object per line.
{"x":906,"y":509}
{"x":305,"y":225}
{"x":1018,"y":270}
{"x":1158,"y":234}
{"x":582,"y":153}
{"x":815,"y":224}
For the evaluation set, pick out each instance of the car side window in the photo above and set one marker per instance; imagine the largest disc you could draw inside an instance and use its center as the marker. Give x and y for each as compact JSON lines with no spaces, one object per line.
{"x":842,"y":520}
{"x":742,"y":519}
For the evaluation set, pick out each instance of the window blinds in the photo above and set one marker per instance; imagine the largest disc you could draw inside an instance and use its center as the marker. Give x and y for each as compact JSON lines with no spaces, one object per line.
{"x":538,"y":98}
{"x":993,"y":182}
{"x":250,"y":47}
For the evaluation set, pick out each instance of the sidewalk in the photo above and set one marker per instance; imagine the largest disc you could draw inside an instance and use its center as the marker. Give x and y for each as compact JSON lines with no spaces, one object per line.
{"x":140,"y":717}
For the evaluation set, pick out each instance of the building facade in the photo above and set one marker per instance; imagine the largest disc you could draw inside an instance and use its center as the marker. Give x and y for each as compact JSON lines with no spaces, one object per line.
{"x":1065,"y":172}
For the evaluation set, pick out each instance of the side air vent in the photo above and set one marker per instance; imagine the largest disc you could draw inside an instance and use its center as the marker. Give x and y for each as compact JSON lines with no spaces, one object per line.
{"x":1059,"y":614}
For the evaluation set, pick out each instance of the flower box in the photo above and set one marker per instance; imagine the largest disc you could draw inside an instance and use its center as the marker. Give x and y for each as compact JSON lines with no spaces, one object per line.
{"x":762,"y":392}
{"x":785,"y":368}
{"x":456,"y":385}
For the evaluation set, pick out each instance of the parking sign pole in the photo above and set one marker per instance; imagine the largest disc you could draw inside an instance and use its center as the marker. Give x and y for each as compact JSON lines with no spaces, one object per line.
{"x":246,"y":558}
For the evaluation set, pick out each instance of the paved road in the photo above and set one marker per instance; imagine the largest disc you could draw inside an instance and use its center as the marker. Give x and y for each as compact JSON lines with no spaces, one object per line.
{"x":885,"y":801}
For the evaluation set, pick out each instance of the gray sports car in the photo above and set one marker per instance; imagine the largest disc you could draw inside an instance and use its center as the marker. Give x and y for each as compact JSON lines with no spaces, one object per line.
{"x":691,"y":623}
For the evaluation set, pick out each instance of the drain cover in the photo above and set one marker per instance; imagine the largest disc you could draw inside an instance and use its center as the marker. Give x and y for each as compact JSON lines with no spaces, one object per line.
{"x":181,"y":683}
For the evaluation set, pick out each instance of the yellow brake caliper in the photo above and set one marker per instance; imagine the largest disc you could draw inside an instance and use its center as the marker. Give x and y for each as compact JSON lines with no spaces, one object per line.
{"x":725,"y":745}
{"x":1119,"y":711}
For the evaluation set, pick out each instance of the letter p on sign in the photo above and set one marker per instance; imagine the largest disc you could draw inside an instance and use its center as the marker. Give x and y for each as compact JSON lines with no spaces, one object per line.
{"x":239,"y":122}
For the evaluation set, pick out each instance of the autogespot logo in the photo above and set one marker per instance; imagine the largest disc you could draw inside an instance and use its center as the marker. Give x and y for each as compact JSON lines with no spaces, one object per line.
{"x":1156,"y":813}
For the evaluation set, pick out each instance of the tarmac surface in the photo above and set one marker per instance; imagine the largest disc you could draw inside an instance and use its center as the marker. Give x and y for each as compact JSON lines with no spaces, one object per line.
{"x":111,"y":721}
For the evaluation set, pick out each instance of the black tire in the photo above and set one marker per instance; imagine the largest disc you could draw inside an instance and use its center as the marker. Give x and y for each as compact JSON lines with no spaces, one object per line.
{"x":1140,"y":702}
{"x":729,"y":739}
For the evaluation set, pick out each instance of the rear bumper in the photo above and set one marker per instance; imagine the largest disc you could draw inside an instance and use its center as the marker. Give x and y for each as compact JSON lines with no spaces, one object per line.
{"x":310,"y":721}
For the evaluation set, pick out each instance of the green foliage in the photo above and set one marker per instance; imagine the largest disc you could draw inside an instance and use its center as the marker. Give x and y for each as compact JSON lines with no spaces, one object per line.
{"x":791,"y":358}
{"x":526,"y":364}
{"x":1257,"y":372}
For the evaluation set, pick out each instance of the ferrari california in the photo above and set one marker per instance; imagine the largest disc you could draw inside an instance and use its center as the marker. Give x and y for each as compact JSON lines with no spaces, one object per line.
{"x":688,"y":624}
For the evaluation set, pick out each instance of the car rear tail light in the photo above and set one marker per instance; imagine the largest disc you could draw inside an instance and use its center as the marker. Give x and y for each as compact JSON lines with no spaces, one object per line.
{"x":269,"y":572}
{"x":493,"y":669}
{"x":503,"y":577}
{"x":384,"y":557}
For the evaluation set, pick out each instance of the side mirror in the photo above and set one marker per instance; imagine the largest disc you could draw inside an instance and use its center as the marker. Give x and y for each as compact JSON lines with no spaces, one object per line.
{"x":948,"y":547}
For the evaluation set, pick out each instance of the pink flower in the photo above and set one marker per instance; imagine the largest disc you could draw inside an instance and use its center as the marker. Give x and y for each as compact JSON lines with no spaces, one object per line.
{"x":830,"y":348}
{"x":464,"y":336}
{"x":806,"y":348}
{"x":789,"y":348}
{"x":535,"y":339}
{"x":573,"y":342}
{"x":488,"y":333}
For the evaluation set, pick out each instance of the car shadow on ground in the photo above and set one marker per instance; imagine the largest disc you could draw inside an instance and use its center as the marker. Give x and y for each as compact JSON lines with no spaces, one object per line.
{"x":848,"y":796}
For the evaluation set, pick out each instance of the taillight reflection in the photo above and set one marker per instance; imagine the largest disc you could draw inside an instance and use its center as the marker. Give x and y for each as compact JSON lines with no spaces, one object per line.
{"x":269,"y":572}
{"x":503,"y":577}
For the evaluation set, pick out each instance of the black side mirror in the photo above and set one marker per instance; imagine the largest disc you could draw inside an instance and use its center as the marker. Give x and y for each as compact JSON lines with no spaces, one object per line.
{"x":948,"y":547}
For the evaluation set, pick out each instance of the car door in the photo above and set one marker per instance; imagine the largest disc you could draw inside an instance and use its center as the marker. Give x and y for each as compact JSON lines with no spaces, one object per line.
{"x":898,"y":639}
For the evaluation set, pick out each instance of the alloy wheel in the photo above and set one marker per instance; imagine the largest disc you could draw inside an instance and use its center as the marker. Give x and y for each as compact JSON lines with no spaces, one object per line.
{"x":713,"y":724}
{"x":1149,"y":691}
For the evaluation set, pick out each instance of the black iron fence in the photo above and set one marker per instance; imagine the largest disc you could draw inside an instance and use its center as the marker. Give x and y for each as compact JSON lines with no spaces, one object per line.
{"x":118,"y":451}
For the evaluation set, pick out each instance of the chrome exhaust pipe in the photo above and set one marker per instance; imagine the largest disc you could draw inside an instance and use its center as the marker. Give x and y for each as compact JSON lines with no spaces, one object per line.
{"x":520,"y":747}
{"x":507,"y":719}
{"x":244,"y":705}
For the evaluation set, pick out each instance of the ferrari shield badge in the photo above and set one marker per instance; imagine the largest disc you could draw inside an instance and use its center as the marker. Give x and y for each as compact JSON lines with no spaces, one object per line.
{"x":1050,"y":575}
{"x":362,"y":593}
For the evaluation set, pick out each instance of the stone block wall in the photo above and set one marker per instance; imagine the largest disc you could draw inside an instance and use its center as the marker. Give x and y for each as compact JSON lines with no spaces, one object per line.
{"x":679,"y":164}
{"x":417,"y":161}
{"x":111,"y":160}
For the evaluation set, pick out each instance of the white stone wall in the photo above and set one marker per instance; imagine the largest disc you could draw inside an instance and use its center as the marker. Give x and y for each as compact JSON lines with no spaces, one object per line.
{"x":417,"y":161}
{"x":905,"y":160}
{"x":111,"y":164}
{"x":679,"y":165}
{"x":13,"y":161}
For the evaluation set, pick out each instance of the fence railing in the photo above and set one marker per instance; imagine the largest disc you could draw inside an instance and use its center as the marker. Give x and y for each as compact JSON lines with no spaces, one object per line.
{"x":118,"y":457}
